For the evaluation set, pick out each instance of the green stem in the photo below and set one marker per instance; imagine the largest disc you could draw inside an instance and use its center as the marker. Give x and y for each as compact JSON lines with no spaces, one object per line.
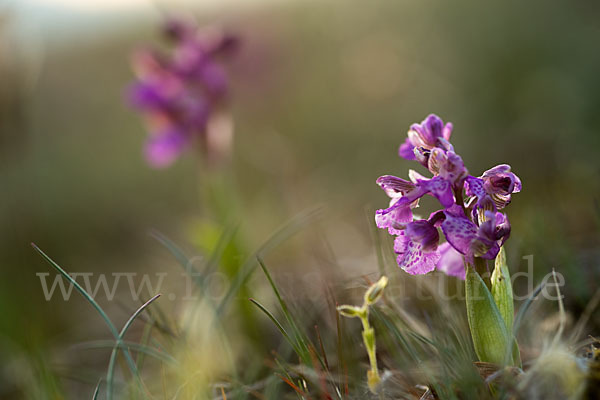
{"x":368,"y":335}
{"x":458,"y":194}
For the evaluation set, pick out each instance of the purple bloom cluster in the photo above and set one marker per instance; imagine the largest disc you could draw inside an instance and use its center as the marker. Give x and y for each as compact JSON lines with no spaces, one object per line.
{"x":181,"y":91}
{"x":469,"y":218}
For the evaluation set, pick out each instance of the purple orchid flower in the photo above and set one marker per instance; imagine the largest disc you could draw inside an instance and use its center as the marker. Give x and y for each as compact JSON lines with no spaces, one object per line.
{"x":475,"y":241}
{"x":417,"y":248}
{"x":492,"y":191}
{"x":425,"y":136}
{"x":500,"y":184}
{"x":471,"y":229}
{"x":405,"y":196}
{"x":181,"y":92}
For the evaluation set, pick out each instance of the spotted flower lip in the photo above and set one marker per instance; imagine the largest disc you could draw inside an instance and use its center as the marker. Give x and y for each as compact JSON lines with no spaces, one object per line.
{"x":458,"y":229}
{"x":425,"y":233}
{"x":412,"y":258}
{"x":472,"y":229}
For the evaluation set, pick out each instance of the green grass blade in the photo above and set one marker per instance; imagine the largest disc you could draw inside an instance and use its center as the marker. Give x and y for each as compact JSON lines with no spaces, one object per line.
{"x":277,"y":324}
{"x":97,"y":390}
{"x":113,"y":356}
{"x":175,"y":250}
{"x":516,"y":352}
{"x":93,"y":302}
{"x":301,"y":339}
{"x":184,"y":260}
{"x":137,"y":347}
{"x":561,"y":311}
{"x":393,"y":330}
{"x":525,"y":307}
{"x":81,"y":290}
{"x":585,"y":316}
{"x":135,"y":314}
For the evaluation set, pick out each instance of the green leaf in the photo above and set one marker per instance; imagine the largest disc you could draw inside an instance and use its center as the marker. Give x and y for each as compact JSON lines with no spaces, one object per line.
{"x":502,"y":290}
{"x":503,"y":296}
{"x":488,"y":330}
{"x":97,"y":390}
{"x":516,"y":354}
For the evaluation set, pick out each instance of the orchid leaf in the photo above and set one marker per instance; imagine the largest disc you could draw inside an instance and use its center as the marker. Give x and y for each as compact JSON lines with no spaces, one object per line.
{"x":503,"y":296}
{"x":502,"y":290}
{"x":488,"y":330}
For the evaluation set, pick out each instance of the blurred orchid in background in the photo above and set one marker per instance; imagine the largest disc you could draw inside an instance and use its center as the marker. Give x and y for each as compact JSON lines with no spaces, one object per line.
{"x":183,"y":94}
{"x":472,"y":228}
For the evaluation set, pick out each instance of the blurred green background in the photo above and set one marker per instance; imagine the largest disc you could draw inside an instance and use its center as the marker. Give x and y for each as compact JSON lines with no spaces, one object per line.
{"x":323,"y":93}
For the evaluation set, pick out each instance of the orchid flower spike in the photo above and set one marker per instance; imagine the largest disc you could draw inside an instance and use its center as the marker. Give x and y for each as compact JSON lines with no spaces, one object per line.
{"x":469,"y":218}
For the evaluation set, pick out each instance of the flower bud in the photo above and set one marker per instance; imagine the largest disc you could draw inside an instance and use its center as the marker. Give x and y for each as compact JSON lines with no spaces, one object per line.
{"x":350,"y":311}
{"x":376,"y":290}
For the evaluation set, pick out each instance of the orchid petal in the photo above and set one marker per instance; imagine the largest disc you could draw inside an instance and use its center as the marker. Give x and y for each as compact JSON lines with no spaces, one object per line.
{"x":395,"y":217}
{"x":164,"y":148}
{"x":474,"y":186}
{"x":451,"y":261}
{"x":412,"y":258}
{"x":424,"y":233}
{"x":394,"y":186}
{"x":440,"y":189}
{"x":459,"y":231}
{"x":406,"y":150}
